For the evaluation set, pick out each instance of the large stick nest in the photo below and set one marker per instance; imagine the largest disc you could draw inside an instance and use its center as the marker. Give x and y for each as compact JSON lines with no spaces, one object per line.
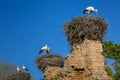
{"x":49,"y":60}
{"x":80,"y":28}
{"x":20,"y":76}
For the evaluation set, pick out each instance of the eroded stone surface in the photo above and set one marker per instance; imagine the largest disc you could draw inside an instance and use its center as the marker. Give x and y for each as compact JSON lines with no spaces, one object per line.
{"x":84,"y":62}
{"x":50,"y":72}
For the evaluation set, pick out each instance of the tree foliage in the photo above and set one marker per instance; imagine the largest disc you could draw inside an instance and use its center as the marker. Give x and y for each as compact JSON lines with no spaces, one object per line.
{"x":112,"y":51}
{"x":117,"y":69}
{"x":108,"y":70}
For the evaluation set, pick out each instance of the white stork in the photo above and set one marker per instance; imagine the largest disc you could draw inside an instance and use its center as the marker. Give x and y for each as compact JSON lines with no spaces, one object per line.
{"x":45,"y":48}
{"x":24,"y":68}
{"x":89,"y":10}
{"x":18,"y":69}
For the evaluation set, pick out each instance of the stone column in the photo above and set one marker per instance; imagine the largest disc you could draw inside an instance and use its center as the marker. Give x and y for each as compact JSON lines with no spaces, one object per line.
{"x":94,"y":60}
{"x":50,"y":72}
{"x":75,"y":64}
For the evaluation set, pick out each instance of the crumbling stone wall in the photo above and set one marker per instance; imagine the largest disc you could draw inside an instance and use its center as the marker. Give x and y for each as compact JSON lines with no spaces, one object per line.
{"x":50,"y":72}
{"x":94,"y":61}
{"x":85,"y":60}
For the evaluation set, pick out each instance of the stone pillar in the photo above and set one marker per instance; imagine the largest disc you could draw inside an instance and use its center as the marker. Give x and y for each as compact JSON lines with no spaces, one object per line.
{"x":50,"y":72}
{"x":94,"y":60}
{"x":86,"y":62}
{"x":75,"y":64}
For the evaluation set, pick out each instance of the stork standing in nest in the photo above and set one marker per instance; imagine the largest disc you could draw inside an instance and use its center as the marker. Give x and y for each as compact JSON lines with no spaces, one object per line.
{"x":45,"y":48}
{"x":89,"y":10}
{"x":18,"y":69}
{"x":24,"y":68}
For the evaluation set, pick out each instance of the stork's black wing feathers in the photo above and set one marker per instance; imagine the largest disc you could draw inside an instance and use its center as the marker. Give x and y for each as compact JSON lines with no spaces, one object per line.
{"x":40,"y":51}
{"x":84,"y":12}
{"x":26,"y":69}
{"x":47,"y":52}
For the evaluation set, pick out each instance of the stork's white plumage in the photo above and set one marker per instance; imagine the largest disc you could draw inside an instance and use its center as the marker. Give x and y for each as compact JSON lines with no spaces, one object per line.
{"x":89,"y":10}
{"x":45,"y":48}
{"x":24,"y":68}
{"x":18,"y":69}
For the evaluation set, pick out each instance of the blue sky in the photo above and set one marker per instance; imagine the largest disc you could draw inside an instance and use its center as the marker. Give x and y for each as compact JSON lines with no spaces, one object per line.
{"x":26,"y":25}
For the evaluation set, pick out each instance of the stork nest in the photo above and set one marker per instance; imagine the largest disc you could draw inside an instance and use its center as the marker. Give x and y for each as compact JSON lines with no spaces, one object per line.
{"x":49,"y":60}
{"x":81,"y":28}
{"x":20,"y":76}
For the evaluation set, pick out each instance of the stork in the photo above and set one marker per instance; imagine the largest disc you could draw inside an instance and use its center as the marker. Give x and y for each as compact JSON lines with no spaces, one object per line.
{"x":89,"y":10}
{"x":18,"y":69}
{"x":24,"y":68}
{"x":45,"y":48}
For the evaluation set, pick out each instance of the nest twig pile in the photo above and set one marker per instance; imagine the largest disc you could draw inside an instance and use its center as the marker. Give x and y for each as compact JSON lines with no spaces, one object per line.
{"x":49,"y":60}
{"x":81,"y":28}
{"x":20,"y":76}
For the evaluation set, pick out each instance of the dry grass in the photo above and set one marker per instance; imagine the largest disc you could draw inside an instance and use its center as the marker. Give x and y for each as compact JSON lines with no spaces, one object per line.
{"x":80,"y":28}
{"x":49,"y":60}
{"x":20,"y":76}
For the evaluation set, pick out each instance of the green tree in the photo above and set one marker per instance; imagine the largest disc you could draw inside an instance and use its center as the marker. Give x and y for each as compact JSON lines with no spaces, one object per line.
{"x":117,"y":69}
{"x":108,"y":70}
{"x":112,"y":51}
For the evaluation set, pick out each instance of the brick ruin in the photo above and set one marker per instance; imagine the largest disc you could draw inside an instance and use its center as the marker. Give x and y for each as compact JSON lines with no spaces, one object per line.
{"x":85,"y":60}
